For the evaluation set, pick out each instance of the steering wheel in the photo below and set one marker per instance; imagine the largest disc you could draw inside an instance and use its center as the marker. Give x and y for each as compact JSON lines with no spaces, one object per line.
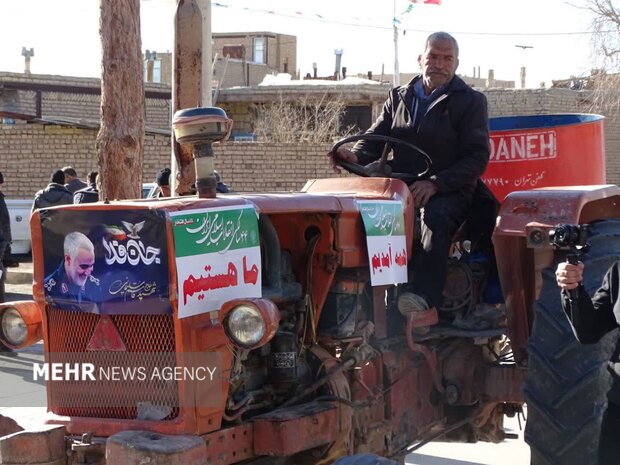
{"x":362,"y":170}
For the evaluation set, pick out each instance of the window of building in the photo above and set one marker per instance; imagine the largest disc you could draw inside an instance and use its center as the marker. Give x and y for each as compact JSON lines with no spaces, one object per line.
{"x":358,"y":117}
{"x":152,"y":70}
{"x":259,"y":50}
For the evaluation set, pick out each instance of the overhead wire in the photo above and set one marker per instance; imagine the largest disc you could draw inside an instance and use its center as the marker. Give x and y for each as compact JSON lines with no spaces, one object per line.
{"x":316,"y":17}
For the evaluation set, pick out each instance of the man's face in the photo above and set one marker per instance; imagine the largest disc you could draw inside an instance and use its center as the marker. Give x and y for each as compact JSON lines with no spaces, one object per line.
{"x":438,"y":64}
{"x":80,"y":268}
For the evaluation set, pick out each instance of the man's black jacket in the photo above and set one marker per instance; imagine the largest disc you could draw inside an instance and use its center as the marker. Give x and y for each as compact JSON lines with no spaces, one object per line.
{"x":596,"y":316}
{"x":454,"y":131}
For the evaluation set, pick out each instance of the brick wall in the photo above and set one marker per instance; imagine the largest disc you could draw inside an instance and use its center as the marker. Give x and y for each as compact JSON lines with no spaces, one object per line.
{"x":280,"y":53}
{"x":252,"y":167}
{"x":78,"y":105}
{"x":506,"y":102}
{"x":279,"y":48}
{"x":242,"y":114}
{"x":29,"y":153}
{"x":237,"y":73}
{"x":286,"y":56}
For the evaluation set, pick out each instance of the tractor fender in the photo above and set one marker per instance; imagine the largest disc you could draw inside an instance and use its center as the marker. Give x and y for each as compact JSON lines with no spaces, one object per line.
{"x":579,"y":204}
{"x":522,"y":248}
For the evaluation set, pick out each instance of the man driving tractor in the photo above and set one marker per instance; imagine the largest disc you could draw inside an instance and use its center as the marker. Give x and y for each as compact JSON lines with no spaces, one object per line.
{"x":448,"y":120}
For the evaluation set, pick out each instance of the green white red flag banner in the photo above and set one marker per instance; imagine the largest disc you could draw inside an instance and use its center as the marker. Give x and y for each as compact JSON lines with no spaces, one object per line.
{"x":385,"y":238}
{"x":217,"y":255}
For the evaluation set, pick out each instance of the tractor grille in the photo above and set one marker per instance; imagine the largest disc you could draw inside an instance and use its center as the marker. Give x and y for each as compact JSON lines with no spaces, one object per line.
{"x":149,"y":340}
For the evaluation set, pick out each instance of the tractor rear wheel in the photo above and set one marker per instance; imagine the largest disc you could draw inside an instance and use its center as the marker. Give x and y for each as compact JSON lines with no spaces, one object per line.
{"x":567,"y":381}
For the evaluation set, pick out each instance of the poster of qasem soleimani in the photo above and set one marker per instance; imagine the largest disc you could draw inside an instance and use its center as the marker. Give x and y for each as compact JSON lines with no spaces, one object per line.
{"x":106,"y":261}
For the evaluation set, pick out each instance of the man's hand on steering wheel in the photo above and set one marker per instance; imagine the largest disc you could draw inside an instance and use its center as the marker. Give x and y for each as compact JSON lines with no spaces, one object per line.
{"x":422,"y":191}
{"x":341,"y":154}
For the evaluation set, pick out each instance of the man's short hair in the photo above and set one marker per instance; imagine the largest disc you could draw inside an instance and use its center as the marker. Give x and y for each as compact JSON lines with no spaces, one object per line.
{"x":163,"y":177}
{"x":441,"y":36}
{"x":75,"y":241}
{"x":92,"y":177}
{"x":70,"y":171}
{"x":58,"y":177}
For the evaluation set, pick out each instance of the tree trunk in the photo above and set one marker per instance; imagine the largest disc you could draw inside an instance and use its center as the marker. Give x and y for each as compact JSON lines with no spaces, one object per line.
{"x":120,"y":141}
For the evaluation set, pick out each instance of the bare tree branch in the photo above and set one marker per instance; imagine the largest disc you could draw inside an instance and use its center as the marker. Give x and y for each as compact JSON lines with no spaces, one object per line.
{"x":304,"y":120}
{"x":606,"y":28}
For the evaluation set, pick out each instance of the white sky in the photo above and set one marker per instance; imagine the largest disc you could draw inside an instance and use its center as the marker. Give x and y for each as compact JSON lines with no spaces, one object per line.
{"x":65,"y":34}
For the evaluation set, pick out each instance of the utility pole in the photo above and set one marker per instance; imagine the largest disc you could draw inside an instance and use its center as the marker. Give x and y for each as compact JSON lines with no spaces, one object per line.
{"x":522,"y":74}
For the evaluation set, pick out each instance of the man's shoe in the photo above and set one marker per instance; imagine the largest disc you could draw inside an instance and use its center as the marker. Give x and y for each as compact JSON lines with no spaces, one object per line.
{"x":408,"y":302}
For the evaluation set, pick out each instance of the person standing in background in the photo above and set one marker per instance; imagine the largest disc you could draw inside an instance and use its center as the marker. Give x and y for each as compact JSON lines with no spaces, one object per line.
{"x":163,"y":183}
{"x":89,"y":194}
{"x":72,"y":182}
{"x":54,"y":194}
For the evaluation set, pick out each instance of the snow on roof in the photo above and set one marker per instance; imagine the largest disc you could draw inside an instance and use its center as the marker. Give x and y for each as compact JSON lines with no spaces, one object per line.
{"x":285,"y":79}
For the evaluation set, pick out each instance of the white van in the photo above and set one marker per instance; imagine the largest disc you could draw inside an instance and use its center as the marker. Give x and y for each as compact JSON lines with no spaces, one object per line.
{"x":19,"y":211}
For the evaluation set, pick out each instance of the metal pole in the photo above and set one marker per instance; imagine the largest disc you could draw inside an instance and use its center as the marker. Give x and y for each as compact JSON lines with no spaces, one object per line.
{"x":207,"y":53}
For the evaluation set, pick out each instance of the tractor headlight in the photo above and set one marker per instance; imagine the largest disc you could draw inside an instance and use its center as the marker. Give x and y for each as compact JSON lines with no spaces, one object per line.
{"x":14,"y":328}
{"x":250,"y":323}
{"x":20,"y":324}
{"x":245,"y":325}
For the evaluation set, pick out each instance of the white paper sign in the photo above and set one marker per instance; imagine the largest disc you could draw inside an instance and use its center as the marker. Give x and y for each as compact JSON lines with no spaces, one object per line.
{"x":385,"y":238}
{"x":217,"y":257}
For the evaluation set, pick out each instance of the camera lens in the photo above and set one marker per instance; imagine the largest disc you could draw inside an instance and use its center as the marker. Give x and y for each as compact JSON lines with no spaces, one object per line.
{"x":565,"y":235}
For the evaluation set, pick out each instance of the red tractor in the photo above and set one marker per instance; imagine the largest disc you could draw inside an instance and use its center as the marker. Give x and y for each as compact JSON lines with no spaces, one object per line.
{"x":262,"y":328}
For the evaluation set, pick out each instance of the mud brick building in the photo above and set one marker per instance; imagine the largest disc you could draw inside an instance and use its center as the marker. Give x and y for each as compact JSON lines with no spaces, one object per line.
{"x":51,"y":121}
